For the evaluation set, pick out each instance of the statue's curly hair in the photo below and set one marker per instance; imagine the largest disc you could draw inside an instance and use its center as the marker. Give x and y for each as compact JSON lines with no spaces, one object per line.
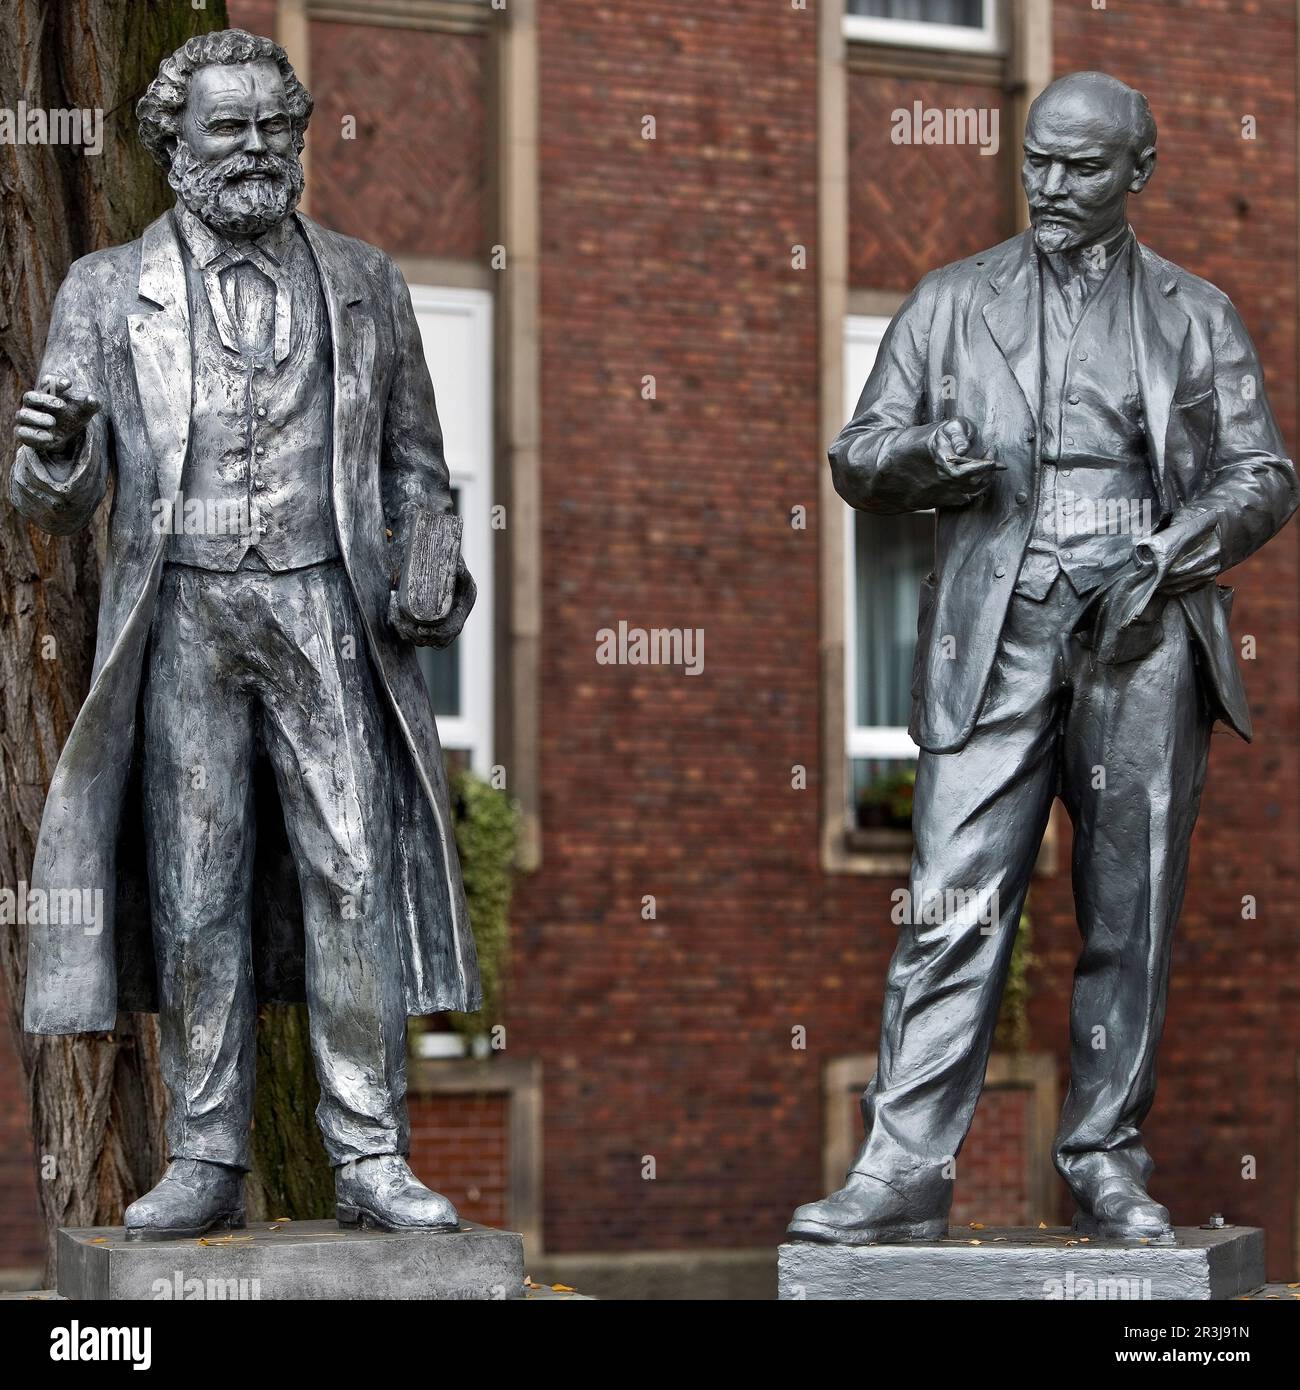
{"x":162,"y":107}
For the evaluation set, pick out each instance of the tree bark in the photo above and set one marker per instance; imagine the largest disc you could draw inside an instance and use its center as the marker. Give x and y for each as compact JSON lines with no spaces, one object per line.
{"x":96,"y":1100}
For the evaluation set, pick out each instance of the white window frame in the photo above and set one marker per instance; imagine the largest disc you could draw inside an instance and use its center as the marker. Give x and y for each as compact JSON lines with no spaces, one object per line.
{"x":447,"y":314}
{"x":910,"y":33}
{"x":862,"y":335}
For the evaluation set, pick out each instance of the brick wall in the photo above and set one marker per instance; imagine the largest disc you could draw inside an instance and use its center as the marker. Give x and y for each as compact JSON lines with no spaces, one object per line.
{"x":993,"y":1185}
{"x":670,"y":1039}
{"x":22,"y":1238}
{"x":459,"y":1147}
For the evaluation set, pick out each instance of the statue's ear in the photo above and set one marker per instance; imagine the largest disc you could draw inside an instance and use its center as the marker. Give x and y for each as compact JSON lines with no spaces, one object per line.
{"x":1143,"y":169}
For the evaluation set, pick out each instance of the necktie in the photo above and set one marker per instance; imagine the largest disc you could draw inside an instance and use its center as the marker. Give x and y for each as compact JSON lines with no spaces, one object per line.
{"x":250,"y":300}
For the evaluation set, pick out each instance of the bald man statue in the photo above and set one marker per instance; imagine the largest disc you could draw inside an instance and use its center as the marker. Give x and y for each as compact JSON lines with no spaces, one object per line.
{"x":1089,"y":425}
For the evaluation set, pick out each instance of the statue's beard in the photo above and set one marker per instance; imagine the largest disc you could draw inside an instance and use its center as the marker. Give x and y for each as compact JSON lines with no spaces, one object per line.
{"x":219,"y":195}
{"x":1054,"y":237}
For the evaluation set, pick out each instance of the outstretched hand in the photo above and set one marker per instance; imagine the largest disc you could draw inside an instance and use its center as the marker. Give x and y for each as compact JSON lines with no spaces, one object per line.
{"x":52,"y":419}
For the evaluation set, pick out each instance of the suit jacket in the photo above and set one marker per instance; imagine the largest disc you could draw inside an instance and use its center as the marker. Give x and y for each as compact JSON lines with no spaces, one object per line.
{"x":120,"y":331}
{"x":966,"y":343}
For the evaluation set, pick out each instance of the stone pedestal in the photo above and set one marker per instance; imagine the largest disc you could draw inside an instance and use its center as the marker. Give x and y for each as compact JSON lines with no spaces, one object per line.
{"x":293,"y":1260}
{"x":1023,"y":1263}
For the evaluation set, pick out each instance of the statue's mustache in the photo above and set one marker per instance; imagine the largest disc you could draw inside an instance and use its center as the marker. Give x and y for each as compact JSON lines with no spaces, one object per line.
{"x":244,"y":165}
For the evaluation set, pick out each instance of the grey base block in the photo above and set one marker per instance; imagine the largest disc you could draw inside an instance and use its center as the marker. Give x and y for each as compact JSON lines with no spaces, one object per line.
{"x":293,"y":1259}
{"x":1024,"y":1263}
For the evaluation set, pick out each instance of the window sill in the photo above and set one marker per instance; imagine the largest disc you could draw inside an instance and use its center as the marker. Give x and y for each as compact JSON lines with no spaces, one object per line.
{"x":980,"y":68}
{"x":882,"y":853}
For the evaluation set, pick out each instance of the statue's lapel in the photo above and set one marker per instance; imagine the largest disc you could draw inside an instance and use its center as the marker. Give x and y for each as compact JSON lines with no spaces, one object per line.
{"x":352,"y":332}
{"x":1012,"y":317}
{"x":161,"y":352}
{"x":1159,"y":332}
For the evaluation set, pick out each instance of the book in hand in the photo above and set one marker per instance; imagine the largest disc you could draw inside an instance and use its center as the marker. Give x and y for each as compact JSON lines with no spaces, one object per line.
{"x":427,"y":585}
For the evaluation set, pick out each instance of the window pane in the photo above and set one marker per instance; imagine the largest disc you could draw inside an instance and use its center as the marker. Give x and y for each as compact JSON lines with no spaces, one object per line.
{"x":967,"y":13}
{"x":442,"y":668}
{"x":881,"y":792}
{"x":893,"y":554}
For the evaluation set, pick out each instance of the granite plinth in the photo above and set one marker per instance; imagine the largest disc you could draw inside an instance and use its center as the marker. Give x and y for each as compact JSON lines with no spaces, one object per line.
{"x":1028,"y":1263}
{"x":292,"y":1260}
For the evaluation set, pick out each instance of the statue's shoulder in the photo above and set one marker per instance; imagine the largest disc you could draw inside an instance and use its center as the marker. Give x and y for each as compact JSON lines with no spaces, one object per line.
{"x":1193,"y":292}
{"x":958,"y":277}
{"x":101,"y":273}
{"x":361,"y":256}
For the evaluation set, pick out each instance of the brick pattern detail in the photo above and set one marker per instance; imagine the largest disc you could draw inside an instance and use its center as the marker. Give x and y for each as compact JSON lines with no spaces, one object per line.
{"x":914,"y":207}
{"x":413,"y":180}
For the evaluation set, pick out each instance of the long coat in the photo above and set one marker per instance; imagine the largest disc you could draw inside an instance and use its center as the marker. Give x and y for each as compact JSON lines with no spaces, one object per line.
{"x":966,"y":343}
{"x":120,"y":332}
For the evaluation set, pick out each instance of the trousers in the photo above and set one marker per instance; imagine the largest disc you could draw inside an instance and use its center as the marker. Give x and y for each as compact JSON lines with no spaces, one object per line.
{"x":1125,"y":747}
{"x":241,"y":665}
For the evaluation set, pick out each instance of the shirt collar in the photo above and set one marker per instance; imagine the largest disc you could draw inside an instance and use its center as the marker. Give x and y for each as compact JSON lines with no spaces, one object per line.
{"x":205,"y":245}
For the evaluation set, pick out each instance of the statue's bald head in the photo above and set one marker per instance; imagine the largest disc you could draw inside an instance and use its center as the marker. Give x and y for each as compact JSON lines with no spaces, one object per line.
{"x":1097,"y":97}
{"x":1090,"y":141}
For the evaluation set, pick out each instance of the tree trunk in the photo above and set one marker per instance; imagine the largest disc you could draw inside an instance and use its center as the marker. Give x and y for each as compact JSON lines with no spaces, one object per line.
{"x":96,"y":1099}
{"x":291,"y":1173}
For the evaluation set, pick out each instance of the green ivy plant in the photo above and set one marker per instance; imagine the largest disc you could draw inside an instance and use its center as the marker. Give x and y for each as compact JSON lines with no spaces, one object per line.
{"x":487,"y":837}
{"x":1013,"y":1018}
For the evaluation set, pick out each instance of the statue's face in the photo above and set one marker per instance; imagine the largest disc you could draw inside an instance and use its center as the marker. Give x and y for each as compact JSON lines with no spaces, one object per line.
{"x":1080,"y":167}
{"x":235,"y":165}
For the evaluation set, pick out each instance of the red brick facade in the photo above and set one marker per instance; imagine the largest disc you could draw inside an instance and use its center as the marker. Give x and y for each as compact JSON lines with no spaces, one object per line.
{"x":677,"y":1111}
{"x":459,"y":1147}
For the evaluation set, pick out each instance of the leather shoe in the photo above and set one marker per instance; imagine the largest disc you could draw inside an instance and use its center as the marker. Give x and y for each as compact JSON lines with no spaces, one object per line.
{"x":193,"y":1196}
{"x":1120,"y":1209}
{"x":382,"y":1193}
{"x":868,"y":1211}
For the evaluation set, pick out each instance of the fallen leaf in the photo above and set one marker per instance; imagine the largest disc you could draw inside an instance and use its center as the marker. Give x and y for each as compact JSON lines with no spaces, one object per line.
{"x":977,"y":1225}
{"x":562,"y":1288}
